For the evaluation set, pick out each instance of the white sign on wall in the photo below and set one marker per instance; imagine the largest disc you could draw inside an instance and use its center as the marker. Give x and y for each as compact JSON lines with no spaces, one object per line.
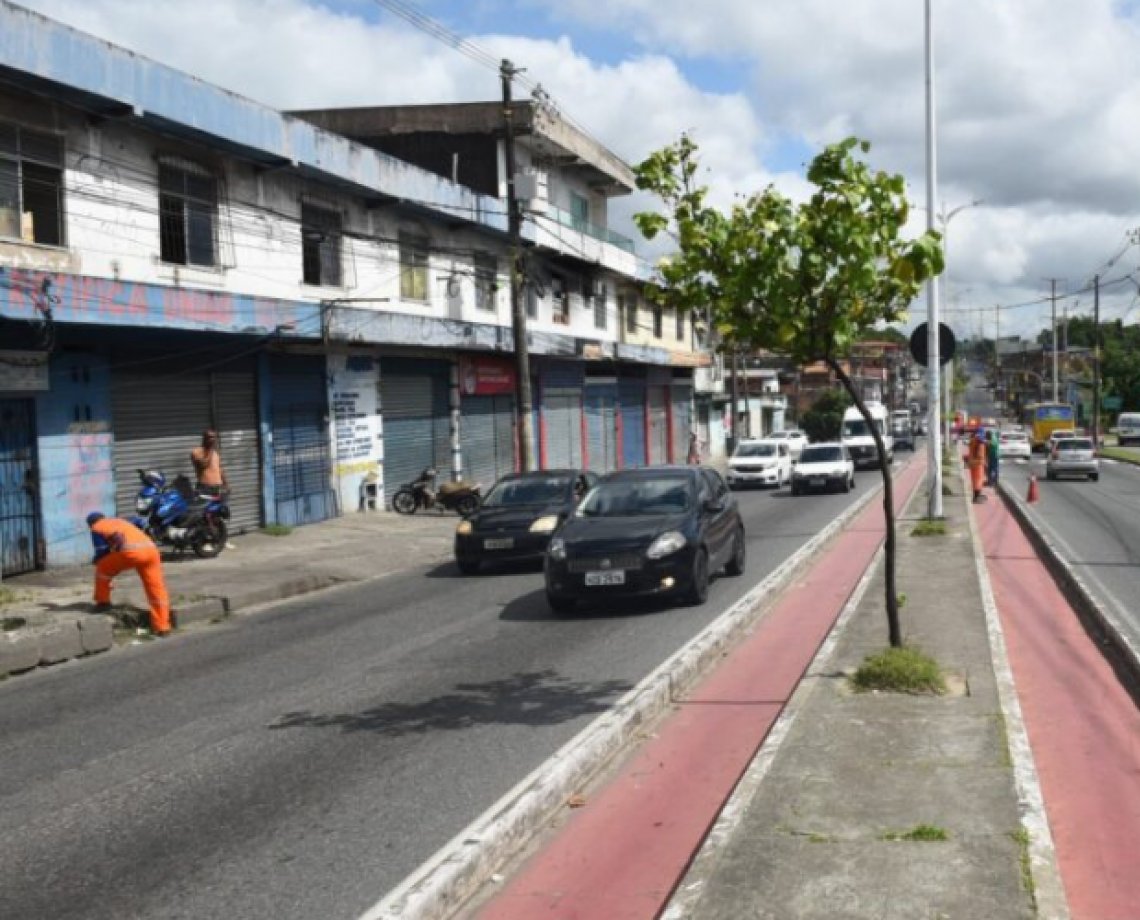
{"x":354,"y":400}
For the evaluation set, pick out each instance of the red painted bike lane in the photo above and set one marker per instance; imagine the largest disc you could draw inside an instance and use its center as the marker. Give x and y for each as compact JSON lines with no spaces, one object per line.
{"x":620,"y":856}
{"x":1083,"y":727}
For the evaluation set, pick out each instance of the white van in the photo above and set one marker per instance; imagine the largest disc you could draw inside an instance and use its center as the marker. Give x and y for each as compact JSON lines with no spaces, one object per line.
{"x":860,"y":443}
{"x":1128,"y":427}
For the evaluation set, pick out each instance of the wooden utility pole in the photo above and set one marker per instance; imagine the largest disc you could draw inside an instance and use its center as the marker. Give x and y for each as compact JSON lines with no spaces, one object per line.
{"x":1096,"y":362}
{"x":523,"y":399}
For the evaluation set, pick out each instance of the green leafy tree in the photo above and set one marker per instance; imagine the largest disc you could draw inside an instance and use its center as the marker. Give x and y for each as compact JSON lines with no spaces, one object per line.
{"x":804,"y":280}
{"x":824,"y":420}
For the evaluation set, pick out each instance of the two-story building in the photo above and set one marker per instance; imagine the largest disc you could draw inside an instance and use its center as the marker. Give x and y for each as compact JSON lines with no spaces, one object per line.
{"x":175,"y":257}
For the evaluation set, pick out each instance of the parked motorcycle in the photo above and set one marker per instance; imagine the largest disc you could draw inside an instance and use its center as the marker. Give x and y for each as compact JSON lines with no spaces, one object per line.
{"x":175,"y":516}
{"x":421,"y":493}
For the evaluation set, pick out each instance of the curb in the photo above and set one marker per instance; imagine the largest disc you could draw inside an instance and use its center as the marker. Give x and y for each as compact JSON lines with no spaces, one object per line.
{"x":1121,"y":653}
{"x":441,"y":885}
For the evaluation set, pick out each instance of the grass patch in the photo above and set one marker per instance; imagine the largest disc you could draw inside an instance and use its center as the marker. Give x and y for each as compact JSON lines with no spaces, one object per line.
{"x":900,"y":670}
{"x":11,"y":624}
{"x":1021,"y":838}
{"x":1120,"y":453}
{"x":901,"y":600}
{"x":277,"y":530}
{"x":929,"y":527}
{"x":922,"y":833}
{"x":8,"y":596}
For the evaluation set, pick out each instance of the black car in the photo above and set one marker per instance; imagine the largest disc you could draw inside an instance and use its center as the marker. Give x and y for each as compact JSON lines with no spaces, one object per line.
{"x":654,"y":531}
{"x":903,"y":435}
{"x":517,"y":517}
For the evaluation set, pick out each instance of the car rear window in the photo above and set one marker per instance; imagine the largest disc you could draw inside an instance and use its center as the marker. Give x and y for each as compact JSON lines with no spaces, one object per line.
{"x":1075,"y":444}
{"x":821,"y":455}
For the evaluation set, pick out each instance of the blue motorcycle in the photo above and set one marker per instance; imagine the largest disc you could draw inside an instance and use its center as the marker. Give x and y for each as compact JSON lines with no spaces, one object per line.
{"x":175,"y":516}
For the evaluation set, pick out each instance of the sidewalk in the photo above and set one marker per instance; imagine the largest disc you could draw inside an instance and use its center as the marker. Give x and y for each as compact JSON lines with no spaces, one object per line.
{"x":46,"y":615}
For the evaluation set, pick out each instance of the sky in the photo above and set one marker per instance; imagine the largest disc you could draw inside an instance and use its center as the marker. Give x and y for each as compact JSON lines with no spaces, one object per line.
{"x":1037,"y":101}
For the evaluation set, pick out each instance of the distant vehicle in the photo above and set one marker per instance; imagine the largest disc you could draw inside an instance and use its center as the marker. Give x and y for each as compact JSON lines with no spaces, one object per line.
{"x":1014,"y":445}
{"x":1072,"y":457}
{"x":825,"y":467}
{"x":516,"y":519}
{"x":796,"y":440}
{"x":902,"y":431}
{"x":766,"y":462}
{"x":857,"y":437}
{"x":1128,"y":428}
{"x":655,"y":531}
{"x":1042,"y":418}
{"x":1059,"y":434}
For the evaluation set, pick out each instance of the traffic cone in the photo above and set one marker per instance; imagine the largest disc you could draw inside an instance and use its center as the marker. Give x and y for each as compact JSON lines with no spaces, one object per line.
{"x":1032,"y":496}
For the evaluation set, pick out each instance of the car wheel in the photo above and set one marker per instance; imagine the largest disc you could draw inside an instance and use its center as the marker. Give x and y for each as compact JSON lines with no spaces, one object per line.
{"x":795,"y":489}
{"x":699,"y":586}
{"x":846,"y":486}
{"x":560,"y":604}
{"x":739,"y":554}
{"x":468,"y":566}
{"x":1049,"y":474}
{"x":1095,"y":477}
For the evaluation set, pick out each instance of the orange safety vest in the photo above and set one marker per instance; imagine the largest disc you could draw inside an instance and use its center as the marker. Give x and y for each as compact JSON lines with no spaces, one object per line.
{"x":122,"y":536}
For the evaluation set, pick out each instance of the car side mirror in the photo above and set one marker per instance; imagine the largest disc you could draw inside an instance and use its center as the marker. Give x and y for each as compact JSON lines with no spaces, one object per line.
{"x":714,"y":505}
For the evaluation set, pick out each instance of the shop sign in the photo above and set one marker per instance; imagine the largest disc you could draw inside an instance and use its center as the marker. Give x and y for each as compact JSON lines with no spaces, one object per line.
{"x":485,"y":376}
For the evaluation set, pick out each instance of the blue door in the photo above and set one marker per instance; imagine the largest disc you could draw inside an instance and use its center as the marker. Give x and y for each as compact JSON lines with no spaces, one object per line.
{"x":302,"y":462}
{"x":631,"y":405}
{"x":19,"y":511}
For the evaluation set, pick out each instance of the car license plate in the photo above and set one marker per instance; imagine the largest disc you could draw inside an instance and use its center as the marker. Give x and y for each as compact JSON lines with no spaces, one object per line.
{"x":596,"y":579}
{"x":819,"y":480}
{"x":499,"y":543}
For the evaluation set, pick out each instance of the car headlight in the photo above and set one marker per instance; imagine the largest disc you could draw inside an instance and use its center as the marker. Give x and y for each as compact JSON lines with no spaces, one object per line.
{"x":557,"y":549}
{"x":464,"y":528}
{"x":545,"y":524}
{"x":665,"y":545}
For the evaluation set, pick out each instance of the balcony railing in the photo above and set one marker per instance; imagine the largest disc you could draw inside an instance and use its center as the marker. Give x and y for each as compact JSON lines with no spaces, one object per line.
{"x":566,"y":219}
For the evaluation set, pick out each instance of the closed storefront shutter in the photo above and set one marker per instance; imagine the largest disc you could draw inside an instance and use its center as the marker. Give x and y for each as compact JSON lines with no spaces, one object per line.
{"x":487,"y":436}
{"x":562,"y":415}
{"x":302,"y":462}
{"x":158,"y":418}
{"x":658,"y":424}
{"x":631,"y":405}
{"x":413,"y":402}
{"x":601,"y":433}
{"x":682,"y":422}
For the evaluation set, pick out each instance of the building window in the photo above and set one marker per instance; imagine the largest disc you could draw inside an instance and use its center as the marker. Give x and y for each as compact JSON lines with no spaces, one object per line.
{"x":658,"y":321}
{"x":413,"y":267}
{"x":31,"y":186}
{"x":560,"y":301}
{"x":680,"y":330}
{"x":532,"y":298}
{"x":188,"y":214}
{"x":599,"y":296}
{"x":579,"y":212}
{"x":486,"y":282}
{"x":320,"y":246}
{"x":628,"y":306}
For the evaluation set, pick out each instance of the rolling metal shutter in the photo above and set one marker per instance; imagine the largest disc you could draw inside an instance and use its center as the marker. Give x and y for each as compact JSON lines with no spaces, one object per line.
{"x":302,"y":462}
{"x":601,"y":431}
{"x":562,"y":415}
{"x":159,"y":418}
{"x":413,"y":397}
{"x":631,"y":405}
{"x":682,"y":422}
{"x":658,"y":425}
{"x":487,"y":436}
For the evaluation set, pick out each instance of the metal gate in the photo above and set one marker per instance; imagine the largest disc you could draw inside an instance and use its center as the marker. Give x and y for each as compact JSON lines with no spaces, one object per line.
{"x":601,"y":430}
{"x":683,"y":425}
{"x":562,"y":418}
{"x":302,"y":461}
{"x":417,"y":430}
{"x":487,"y":438}
{"x":658,"y":435}
{"x":19,"y":511}
{"x":159,"y":418}
{"x":631,"y":405}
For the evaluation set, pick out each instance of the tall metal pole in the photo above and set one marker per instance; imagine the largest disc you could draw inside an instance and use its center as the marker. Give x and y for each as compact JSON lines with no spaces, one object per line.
{"x":997,"y":353}
{"x":735,"y":389}
{"x":523,"y":399}
{"x":1096,"y":361}
{"x":1053,"y":302}
{"x":933,"y":370}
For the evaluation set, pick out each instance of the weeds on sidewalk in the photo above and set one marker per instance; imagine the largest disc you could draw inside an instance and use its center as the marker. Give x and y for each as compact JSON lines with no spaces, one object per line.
{"x":929,"y":527}
{"x":900,"y":670}
{"x":1021,"y":838}
{"x":277,"y":530}
{"x":8,"y":596}
{"x":920,"y":832}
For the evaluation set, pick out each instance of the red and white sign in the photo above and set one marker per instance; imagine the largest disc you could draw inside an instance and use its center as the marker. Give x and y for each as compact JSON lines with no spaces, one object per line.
{"x":485,"y":376}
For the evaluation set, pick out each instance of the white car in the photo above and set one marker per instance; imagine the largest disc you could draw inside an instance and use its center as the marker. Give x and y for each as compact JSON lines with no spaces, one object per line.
{"x":796,"y":440}
{"x":823,"y":467}
{"x":1014,"y":445}
{"x":1072,"y":457}
{"x":766,"y":462}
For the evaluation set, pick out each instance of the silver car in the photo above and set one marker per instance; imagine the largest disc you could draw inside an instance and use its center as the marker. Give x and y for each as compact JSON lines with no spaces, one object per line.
{"x":1072,"y":457}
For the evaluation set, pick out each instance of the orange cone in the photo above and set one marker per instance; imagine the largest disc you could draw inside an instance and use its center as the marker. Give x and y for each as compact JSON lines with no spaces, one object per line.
{"x":1032,"y":496}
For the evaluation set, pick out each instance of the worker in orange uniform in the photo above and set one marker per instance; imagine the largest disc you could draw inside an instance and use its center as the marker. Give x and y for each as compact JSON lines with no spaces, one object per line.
{"x":120,"y":545}
{"x":976,"y":462}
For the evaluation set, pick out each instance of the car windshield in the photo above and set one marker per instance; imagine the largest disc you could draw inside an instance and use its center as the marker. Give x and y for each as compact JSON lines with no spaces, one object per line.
{"x":1075,"y":444}
{"x":778,"y":435}
{"x":637,"y":496}
{"x":821,"y":455}
{"x":857,"y":428}
{"x":756,"y":450}
{"x":539,"y":490}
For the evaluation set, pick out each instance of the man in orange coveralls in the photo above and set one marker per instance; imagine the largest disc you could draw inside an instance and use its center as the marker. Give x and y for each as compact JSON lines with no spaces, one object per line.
{"x":976,"y":461}
{"x":119,"y":545}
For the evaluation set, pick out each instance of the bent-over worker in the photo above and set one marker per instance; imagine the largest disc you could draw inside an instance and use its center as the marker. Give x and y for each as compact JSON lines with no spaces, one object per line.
{"x":120,"y":545}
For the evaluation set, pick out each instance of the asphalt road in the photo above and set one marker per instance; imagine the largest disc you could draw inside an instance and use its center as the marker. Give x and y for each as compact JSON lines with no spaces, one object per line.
{"x":300,"y":762}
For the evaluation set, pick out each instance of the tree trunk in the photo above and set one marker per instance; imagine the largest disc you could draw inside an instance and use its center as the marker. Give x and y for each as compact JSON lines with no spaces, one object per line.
{"x":892,"y":597}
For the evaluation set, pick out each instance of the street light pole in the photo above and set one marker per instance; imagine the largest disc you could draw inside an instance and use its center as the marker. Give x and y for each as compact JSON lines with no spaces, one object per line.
{"x":933,"y":364}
